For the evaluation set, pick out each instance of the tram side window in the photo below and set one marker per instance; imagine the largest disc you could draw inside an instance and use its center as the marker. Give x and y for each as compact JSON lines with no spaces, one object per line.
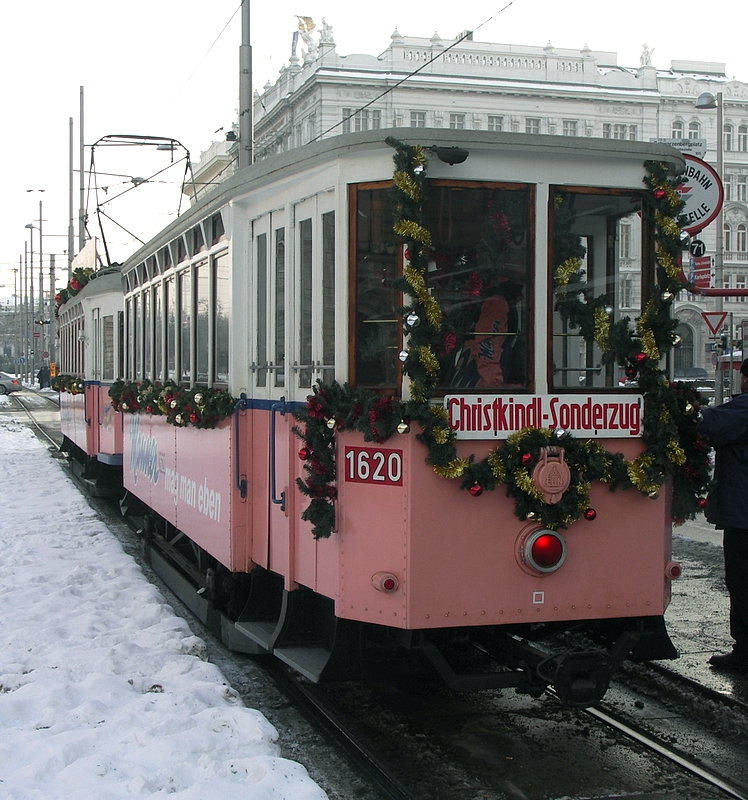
{"x":202,"y":322}
{"x":305,"y":290}
{"x":597,"y":251}
{"x":262,"y":287}
{"x":171,"y":329}
{"x":147,"y":334}
{"x":107,"y":332}
{"x":222,"y":278}
{"x":185,"y":325}
{"x":376,"y":325}
{"x":280,"y":300}
{"x":328,"y":296}
{"x":158,"y":340}
{"x":479,"y":272}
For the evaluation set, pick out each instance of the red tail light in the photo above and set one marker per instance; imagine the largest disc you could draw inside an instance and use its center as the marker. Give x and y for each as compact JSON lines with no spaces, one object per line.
{"x":544,"y":550}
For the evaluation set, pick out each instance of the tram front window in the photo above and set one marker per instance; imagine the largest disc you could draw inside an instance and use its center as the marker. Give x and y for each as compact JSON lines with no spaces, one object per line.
{"x":479,"y":271}
{"x":596,"y":261}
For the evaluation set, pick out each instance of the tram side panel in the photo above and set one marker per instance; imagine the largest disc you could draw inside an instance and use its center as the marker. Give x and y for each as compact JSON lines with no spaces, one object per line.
{"x":109,"y":428}
{"x":73,"y":418}
{"x":184,"y":475}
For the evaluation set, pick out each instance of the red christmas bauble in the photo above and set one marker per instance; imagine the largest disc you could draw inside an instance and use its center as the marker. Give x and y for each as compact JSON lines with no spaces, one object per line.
{"x":476,"y":490}
{"x":304,"y":453}
{"x":640,"y":358}
{"x":527,"y":459}
{"x":590,"y":514}
{"x":659,"y":194}
{"x":701,"y":502}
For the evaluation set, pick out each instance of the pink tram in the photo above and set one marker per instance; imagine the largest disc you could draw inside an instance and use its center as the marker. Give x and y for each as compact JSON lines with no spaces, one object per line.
{"x":90,"y":332}
{"x":385,"y":398}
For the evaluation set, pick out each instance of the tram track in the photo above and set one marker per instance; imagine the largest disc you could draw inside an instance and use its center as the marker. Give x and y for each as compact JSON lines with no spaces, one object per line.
{"x":41,"y":411}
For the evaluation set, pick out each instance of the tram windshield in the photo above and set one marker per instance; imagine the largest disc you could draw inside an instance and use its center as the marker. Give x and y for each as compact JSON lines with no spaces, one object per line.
{"x":597,"y":251}
{"x":479,"y":271}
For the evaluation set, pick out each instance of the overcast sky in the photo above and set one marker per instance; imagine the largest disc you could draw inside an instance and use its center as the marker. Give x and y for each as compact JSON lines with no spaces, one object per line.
{"x":151,"y":67}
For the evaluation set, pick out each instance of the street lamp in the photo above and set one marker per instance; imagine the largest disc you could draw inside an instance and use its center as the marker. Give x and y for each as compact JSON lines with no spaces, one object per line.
{"x":30,"y":348}
{"x":707,"y":100}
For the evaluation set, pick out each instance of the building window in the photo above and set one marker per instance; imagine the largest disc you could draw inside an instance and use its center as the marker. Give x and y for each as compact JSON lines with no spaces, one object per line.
{"x":570,"y":127}
{"x":728,"y":187}
{"x":624,"y":242}
{"x":457,"y":121}
{"x":619,"y":131}
{"x":495,"y":123}
{"x":417,"y":119}
{"x":743,"y":138}
{"x":627,"y":292}
{"x":346,"y":126}
{"x":728,"y":238}
{"x":728,"y":137}
{"x":742,"y":193}
{"x":742,"y":238}
{"x":676,"y":130}
{"x":532,"y":125}
{"x":694,"y":130}
{"x":740,"y":284}
{"x":376,"y":119}
{"x":362,"y":120}
{"x":632,"y":132}
{"x":607,"y":130}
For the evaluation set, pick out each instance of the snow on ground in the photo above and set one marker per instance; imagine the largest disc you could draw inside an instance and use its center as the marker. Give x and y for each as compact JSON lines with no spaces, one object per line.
{"x":104,"y":692}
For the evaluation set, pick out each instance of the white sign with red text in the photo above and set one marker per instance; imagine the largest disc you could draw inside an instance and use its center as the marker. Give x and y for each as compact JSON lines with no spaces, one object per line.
{"x":499,"y":416}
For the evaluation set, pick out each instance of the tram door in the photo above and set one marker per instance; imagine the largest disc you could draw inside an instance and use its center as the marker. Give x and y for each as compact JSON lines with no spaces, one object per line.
{"x":272,"y":247}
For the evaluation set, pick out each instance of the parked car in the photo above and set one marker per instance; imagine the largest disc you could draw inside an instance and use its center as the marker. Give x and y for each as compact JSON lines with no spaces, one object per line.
{"x":696,"y":374}
{"x":9,"y":384}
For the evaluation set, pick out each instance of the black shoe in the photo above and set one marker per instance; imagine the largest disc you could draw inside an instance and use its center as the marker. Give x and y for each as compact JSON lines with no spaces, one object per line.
{"x":731,"y":662}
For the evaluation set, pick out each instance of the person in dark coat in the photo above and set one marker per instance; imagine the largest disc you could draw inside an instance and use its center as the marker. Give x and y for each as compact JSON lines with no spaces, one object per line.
{"x":726,"y":428}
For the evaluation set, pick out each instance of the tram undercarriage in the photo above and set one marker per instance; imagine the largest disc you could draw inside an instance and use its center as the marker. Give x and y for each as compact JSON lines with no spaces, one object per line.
{"x":254,"y":613}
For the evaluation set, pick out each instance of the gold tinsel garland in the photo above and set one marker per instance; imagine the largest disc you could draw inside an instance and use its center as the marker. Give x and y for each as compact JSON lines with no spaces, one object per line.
{"x":566,"y":270}
{"x":407,"y":185}
{"x":454,"y":469}
{"x":417,"y":282}
{"x":497,"y":466}
{"x":412,"y":231}
{"x":602,"y":327}
{"x":667,"y":262}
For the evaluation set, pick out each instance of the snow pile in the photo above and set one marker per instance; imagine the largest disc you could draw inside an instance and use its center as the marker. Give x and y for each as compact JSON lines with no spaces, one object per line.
{"x":104,"y":692}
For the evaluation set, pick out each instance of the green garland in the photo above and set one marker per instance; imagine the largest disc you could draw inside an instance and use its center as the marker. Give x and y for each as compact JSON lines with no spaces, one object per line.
{"x":199,"y":406}
{"x":71,"y":384}
{"x":673,"y":448}
{"x":79,"y":278}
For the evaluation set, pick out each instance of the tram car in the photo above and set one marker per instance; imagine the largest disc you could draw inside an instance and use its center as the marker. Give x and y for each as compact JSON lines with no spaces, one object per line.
{"x":407,"y":397}
{"x":90,"y":320}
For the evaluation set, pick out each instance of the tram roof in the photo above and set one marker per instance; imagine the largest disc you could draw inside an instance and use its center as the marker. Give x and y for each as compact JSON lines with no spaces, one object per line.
{"x":307,"y":156}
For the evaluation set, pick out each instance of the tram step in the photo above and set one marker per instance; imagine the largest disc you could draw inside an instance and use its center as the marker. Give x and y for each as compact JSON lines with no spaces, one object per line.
{"x":310,"y":661}
{"x":263,"y":633}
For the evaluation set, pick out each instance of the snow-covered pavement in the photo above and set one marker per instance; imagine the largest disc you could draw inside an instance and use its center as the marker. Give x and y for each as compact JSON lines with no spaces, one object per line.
{"x":104,"y":692}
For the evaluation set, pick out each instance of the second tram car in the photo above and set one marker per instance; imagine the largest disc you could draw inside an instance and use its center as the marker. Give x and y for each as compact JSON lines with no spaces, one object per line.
{"x":322,"y":541}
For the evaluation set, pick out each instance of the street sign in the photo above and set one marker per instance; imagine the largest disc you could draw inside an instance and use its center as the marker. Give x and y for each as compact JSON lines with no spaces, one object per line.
{"x":702,"y":194}
{"x":695,"y":147}
{"x":701,"y":271}
{"x":45,"y":354}
{"x":698,"y":248}
{"x":714,"y":320}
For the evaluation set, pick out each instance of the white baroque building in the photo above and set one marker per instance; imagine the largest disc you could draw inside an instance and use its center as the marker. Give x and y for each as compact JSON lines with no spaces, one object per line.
{"x":464,"y":84}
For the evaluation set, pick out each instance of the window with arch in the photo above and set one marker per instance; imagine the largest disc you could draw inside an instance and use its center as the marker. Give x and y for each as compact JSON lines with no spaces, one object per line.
{"x":728,"y":237}
{"x":743,"y":138}
{"x":694,"y":130}
{"x":728,"y":132}
{"x":677,"y":130}
{"x":684,"y":352}
{"x":741,"y":240}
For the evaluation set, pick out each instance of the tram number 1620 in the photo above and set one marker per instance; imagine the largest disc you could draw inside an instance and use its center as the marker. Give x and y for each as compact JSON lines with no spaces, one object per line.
{"x":371,"y":465}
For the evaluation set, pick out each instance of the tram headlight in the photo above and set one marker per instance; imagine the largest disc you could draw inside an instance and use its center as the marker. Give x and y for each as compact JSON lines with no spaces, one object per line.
{"x":541,"y":550}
